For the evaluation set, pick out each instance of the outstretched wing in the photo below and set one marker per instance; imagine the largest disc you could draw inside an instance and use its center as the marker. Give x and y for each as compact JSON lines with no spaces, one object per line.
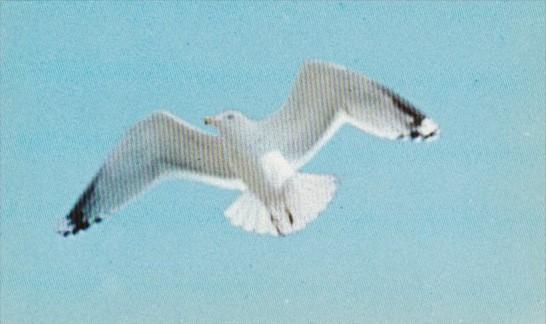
{"x":158,"y":146}
{"x":327,"y":95}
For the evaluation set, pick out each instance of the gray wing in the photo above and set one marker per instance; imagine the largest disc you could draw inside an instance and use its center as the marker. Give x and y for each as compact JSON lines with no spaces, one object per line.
{"x":159,"y":146}
{"x":325,"y":96}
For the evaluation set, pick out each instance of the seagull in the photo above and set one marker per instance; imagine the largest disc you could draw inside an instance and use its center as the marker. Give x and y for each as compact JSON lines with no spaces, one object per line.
{"x":260,"y":158}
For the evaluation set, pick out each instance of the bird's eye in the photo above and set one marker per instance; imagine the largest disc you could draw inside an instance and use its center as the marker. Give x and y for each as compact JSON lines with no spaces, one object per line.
{"x":230,"y":116}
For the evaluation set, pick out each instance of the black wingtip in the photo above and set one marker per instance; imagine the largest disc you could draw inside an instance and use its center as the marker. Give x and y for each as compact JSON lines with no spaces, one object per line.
{"x":74,"y":222}
{"x":421,"y":127}
{"x":78,"y":220}
{"x":425,"y":130}
{"x":405,"y":106}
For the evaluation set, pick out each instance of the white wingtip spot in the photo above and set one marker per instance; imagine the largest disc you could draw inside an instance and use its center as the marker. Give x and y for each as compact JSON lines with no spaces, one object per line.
{"x":428,"y":126}
{"x":429,"y":130}
{"x":64,"y":227}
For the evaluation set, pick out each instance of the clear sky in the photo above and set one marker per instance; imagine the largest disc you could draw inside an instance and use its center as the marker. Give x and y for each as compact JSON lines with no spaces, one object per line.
{"x":450,"y":232}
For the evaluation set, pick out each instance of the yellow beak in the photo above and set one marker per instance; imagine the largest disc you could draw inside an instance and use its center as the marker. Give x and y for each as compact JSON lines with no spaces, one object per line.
{"x":209,"y":120}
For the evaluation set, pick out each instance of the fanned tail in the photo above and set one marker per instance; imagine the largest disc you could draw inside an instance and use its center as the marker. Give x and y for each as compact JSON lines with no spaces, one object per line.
{"x":304,"y":197}
{"x":249,"y":213}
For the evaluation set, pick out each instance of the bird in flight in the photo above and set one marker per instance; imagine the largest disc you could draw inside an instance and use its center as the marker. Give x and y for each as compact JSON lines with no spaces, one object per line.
{"x":261,"y":158}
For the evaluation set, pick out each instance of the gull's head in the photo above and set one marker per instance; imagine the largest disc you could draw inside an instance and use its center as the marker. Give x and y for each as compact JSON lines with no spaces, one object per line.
{"x":228,"y":121}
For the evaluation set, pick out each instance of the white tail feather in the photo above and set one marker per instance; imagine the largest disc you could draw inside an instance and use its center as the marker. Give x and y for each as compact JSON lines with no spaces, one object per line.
{"x":249,"y":213}
{"x":305,"y":197}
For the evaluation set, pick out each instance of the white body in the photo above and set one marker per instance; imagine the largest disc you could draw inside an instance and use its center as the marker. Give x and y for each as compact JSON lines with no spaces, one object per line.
{"x":260,"y":158}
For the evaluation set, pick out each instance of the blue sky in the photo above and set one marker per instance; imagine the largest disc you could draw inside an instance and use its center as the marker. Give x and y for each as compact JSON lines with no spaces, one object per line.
{"x":448,"y":232}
